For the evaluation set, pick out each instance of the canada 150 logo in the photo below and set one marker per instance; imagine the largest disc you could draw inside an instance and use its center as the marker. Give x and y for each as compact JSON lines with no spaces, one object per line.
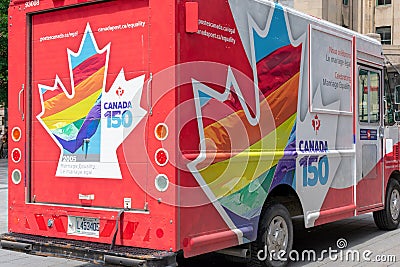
{"x":90,"y":123}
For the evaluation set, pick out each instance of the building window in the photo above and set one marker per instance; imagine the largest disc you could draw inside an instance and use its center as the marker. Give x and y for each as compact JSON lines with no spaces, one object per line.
{"x":384,"y":2}
{"x":386,"y":34}
{"x":346,"y":2}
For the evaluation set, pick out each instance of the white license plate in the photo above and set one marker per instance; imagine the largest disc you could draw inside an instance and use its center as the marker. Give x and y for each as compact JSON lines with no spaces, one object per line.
{"x":83,"y":226}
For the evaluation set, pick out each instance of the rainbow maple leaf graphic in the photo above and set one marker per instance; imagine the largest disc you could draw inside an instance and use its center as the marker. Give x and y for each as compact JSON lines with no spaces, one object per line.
{"x":79,"y":122}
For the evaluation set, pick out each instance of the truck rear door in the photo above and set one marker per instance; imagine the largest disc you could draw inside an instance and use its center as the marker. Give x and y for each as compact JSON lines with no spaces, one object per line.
{"x":89,"y":65}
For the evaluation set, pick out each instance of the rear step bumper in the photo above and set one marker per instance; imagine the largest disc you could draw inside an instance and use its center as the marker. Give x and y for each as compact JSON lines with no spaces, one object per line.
{"x":87,"y":251}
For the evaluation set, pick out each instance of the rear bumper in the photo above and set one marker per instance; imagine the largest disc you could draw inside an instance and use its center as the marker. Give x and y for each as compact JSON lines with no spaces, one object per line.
{"x":87,"y":251}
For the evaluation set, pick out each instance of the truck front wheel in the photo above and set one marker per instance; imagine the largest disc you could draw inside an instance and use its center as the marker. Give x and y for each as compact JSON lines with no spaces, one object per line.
{"x":275,"y":238}
{"x":388,"y":218}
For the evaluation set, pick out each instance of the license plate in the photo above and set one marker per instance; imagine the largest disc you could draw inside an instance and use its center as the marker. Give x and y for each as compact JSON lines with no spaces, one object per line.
{"x":83,"y":226}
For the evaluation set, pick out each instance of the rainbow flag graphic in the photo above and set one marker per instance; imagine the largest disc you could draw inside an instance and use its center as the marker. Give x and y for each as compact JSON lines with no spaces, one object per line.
{"x":73,"y":120}
{"x":252,"y":159}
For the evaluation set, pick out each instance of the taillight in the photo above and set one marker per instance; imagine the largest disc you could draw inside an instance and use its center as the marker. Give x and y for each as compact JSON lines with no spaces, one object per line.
{"x":16,"y":134}
{"x":16,"y":176}
{"x":161,"y":131}
{"x":161,"y":182}
{"x":161,"y":157}
{"x":16,"y":155}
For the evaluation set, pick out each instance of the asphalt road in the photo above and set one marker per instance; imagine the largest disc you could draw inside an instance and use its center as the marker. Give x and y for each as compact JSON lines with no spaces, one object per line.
{"x":357,"y":237}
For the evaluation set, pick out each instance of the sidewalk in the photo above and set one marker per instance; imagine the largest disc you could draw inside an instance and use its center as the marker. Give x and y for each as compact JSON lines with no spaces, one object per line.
{"x":3,"y":195}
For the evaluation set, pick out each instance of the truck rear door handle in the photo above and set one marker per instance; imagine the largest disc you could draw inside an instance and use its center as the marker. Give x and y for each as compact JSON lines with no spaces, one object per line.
{"x":19,"y":102}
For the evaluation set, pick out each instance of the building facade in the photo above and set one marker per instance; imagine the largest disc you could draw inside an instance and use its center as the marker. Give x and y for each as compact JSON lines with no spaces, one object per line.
{"x":364,"y":16}
{"x":3,"y":119}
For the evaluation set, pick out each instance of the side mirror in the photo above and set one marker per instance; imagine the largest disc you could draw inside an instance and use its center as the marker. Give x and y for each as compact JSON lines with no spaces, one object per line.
{"x":397,"y":94}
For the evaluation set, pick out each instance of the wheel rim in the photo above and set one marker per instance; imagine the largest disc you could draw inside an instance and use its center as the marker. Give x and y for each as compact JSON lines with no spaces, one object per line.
{"x":277,"y":236}
{"x":395,"y":204}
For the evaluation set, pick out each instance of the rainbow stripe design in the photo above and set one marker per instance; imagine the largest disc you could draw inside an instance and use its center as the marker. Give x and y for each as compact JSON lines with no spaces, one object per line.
{"x":252,"y":159}
{"x":73,"y":120}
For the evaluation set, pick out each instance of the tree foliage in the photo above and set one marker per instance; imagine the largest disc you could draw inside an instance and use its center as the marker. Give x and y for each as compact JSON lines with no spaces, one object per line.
{"x":3,"y":51}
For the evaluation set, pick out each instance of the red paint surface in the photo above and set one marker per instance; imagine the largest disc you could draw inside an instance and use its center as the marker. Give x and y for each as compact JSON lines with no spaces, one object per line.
{"x":129,"y":50}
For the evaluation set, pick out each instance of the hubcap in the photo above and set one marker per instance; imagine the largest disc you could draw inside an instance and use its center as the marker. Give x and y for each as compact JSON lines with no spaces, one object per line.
{"x":277,"y":236}
{"x":395,"y":204}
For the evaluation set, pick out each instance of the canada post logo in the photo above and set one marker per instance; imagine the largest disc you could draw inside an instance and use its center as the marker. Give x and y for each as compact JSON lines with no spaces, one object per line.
{"x":120,"y":91}
{"x":89,"y":124}
{"x":368,"y":134}
{"x":316,"y":124}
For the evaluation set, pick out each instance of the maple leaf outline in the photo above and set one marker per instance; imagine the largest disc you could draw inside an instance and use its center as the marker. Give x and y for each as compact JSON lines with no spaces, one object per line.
{"x":132,"y":91}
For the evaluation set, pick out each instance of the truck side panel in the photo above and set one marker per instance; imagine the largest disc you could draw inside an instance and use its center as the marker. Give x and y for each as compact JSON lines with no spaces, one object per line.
{"x":246,"y":111}
{"x":295,"y":131}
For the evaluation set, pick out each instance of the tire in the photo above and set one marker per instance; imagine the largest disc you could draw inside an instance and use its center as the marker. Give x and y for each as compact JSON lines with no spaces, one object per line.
{"x":277,"y":224}
{"x":389,"y":217}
